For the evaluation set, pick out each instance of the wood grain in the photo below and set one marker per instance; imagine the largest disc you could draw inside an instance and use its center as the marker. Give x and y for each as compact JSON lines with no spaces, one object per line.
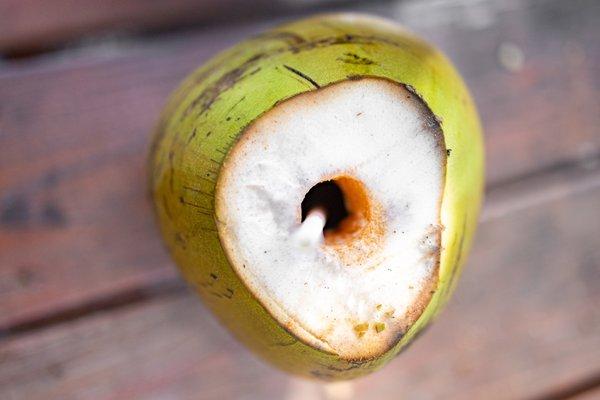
{"x":523,"y":323}
{"x":75,"y":223}
{"x":34,"y":25}
{"x":534,"y":69}
{"x":72,"y":172}
{"x":588,"y":395}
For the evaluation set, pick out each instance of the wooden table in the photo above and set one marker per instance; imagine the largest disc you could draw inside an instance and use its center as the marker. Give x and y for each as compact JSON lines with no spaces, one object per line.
{"x":91,"y":306}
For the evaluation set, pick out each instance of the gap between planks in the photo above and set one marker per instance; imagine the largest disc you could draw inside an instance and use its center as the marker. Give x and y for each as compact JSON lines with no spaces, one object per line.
{"x":588,"y":386}
{"x":502,"y":199}
{"x":542,"y":341}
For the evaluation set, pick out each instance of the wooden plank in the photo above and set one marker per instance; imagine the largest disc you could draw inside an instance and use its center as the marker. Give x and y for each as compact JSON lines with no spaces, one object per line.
{"x":33,"y":25}
{"x":75,"y":224}
{"x":176,"y":363}
{"x":72,"y":173}
{"x":586,"y":389}
{"x":587,"y":395}
{"x":533,"y":68}
{"x":523,"y":323}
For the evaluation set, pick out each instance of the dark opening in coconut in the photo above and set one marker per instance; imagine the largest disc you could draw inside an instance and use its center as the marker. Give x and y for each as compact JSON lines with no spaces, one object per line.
{"x":328,"y":196}
{"x":344,"y":202}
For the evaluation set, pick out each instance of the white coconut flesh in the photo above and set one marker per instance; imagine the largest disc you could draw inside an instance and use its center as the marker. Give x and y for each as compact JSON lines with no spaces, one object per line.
{"x":366,"y":158}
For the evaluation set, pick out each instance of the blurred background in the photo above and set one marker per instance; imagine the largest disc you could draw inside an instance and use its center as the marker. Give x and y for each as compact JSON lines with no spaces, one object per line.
{"x":91,"y":307}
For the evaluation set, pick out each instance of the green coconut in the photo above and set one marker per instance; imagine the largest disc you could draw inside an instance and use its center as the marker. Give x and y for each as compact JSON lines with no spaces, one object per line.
{"x":319,"y":186}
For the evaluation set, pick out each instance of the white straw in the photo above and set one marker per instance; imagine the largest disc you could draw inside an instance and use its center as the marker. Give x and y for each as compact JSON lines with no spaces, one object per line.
{"x":310,"y":232}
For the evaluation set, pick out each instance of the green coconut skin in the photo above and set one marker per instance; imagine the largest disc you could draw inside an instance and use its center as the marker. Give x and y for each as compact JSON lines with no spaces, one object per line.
{"x":209,"y":112}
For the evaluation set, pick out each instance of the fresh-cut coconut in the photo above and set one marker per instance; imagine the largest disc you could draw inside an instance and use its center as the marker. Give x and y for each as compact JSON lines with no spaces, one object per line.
{"x":319,"y":186}
{"x":358,"y":290}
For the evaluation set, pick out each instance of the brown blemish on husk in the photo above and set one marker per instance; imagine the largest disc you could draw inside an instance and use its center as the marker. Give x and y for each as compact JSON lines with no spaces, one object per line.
{"x":355,"y":59}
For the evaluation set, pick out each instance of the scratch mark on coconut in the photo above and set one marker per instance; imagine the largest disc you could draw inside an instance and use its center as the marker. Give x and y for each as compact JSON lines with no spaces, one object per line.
{"x":200,"y":191}
{"x":206,"y":178}
{"x":294,"y":77}
{"x":236,"y":104}
{"x":285,"y":344}
{"x":302,"y":75}
{"x":192,"y":136}
{"x":210,"y":95}
{"x":254,"y":71}
{"x":200,"y":209}
{"x":355,"y":59}
{"x":227,"y":294}
{"x":212,"y":278}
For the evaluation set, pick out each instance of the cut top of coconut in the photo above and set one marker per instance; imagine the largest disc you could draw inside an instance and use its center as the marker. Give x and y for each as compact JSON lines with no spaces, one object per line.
{"x":328,"y":208}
